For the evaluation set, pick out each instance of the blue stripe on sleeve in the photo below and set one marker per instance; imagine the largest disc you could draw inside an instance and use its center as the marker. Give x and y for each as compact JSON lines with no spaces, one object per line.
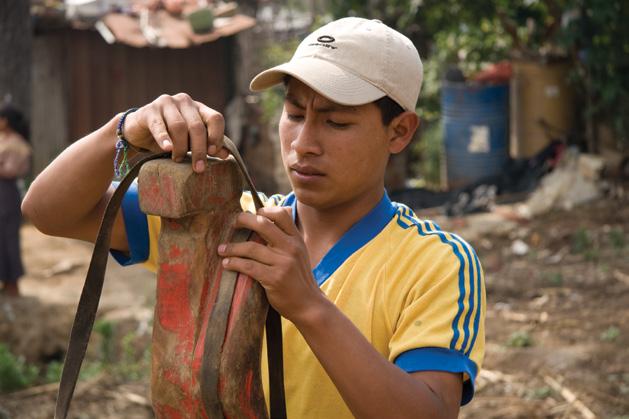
{"x":461,"y":276}
{"x":474,"y":282}
{"x":480,"y":301}
{"x":137,"y":230}
{"x":440,"y":359}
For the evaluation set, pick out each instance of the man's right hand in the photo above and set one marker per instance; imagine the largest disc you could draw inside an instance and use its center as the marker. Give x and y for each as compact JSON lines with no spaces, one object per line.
{"x":68,"y":198}
{"x":178,"y":124}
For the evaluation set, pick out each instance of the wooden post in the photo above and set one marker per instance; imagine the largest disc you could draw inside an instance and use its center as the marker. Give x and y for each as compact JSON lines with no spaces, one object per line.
{"x":15,"y":50}
{"x":197,"y":212}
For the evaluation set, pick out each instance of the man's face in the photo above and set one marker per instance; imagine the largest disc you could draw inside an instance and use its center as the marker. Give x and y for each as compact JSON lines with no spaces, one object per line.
{"x":333,"y":154}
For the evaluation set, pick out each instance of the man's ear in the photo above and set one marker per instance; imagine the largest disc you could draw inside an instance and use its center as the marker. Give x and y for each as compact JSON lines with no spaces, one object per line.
{"x":401,"y":131}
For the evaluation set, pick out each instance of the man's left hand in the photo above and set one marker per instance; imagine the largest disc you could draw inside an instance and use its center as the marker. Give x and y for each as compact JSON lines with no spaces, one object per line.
{"x":281,"y":266}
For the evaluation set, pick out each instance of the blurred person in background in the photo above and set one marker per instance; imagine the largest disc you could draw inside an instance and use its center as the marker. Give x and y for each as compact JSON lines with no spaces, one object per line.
{"x":15,"y":158}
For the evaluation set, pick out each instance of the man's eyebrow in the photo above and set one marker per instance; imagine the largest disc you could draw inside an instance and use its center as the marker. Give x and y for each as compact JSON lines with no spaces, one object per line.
{"x":293,"y":100}
{"x":330,"y":107}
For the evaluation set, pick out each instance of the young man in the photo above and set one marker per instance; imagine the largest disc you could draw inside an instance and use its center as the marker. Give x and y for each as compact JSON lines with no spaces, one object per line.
{"x":385,"y":311}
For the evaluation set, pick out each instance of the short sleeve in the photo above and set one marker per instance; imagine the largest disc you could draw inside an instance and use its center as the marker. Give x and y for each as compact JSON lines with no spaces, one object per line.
{"x":137,"y":229}
{"x":441,"y":324}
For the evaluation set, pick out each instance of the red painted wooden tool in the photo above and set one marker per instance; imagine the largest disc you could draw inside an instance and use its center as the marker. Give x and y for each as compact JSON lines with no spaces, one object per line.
{"x":195,"y":375}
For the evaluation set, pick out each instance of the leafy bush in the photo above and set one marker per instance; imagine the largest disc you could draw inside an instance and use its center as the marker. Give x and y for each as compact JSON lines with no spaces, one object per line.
{"x":53,"y":372}
{"x":520,"y":339}
{"x":555,"y":279}
{"x":15,"y":373}
{"x":617,"y":238}
{"x":610,"y":334}
{"x":581,"y":241}
{"x":105,"y":329}
{"x":430,"y":148}
{"x":271,"y":100}
{"x":597,"y":35}
{"x":135,"y":360}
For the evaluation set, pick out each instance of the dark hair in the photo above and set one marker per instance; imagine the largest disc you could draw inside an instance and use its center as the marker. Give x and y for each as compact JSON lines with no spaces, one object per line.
{"x":16,"y":120}
{"x":389,"y":108}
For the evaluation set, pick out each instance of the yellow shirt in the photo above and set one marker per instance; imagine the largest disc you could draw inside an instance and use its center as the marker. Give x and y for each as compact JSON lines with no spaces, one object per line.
{"x":415,"y":292}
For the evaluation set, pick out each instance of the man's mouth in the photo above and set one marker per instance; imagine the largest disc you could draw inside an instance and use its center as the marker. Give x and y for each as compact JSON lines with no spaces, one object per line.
{"x":305,"y":170}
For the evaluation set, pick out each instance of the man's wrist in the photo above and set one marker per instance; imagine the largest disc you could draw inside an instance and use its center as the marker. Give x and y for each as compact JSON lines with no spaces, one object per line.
{"x":316,"y":315}
{"x":123,"y":147}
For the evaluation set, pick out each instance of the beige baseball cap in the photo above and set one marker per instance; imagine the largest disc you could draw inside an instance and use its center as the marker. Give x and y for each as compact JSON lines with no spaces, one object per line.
{"x":353,"y":61}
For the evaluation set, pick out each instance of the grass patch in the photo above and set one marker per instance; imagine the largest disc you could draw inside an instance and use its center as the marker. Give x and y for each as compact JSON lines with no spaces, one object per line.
{"x":555,"y":279}
{"x":610,"y":334}
{"x":617,"y":238}
{"x":581,"y":241}
{"x":520,"y":339}
{"x":15,"y":373}
{"x":128,"y":358}
{"x":540,"y":393}
{"x":135,"y":359}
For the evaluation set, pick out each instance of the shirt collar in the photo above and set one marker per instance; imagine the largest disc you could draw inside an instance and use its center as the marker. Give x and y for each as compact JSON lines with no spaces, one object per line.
{"x":359,"y":234}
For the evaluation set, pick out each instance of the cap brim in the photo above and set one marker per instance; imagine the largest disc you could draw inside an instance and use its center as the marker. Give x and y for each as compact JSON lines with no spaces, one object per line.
{"x":327,"y":79}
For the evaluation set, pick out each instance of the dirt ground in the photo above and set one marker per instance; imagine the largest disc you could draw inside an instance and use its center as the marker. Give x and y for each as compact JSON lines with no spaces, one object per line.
{"x":557,"y":321}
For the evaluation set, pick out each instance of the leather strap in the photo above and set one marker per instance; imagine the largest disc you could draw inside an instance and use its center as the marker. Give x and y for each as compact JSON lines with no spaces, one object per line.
{"x":92,"y":289}
{"x":274,"y":349}
{"x":90,"y":296}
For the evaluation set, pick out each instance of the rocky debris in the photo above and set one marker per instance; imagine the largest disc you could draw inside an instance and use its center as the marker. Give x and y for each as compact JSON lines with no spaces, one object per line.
{"x":575,"y":181}
{"x":37,"y":331}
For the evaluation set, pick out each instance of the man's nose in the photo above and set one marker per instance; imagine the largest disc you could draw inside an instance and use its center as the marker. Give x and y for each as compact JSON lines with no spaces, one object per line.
{"x":307,"y":139}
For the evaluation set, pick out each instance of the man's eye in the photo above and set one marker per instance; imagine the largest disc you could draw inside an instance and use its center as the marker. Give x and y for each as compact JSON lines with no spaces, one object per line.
{"x":337,"y":125}
{"x":294,"y":117}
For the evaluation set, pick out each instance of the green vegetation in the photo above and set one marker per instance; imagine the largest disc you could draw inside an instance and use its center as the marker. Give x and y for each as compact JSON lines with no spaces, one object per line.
{"x":53,"y":372}
{"x":617,"y":238}
{"x":520,"y":339}
{"x":581,"y":241}
{"x":540,"y":393}
{"x":128,"y":359}
{"x":555,"y":279}
{"x":135,"y":359}
{"x":610,"y":334}
{"x":271,"y":100}
{"x":15,"y":373}
{"x":597,"y":39}
{"x":430,"y":148}
{"x":105,"y":330}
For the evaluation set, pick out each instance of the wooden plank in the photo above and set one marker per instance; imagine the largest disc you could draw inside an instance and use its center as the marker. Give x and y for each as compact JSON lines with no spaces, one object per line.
{"x":49,"y":115}
{"x":80,"y":102}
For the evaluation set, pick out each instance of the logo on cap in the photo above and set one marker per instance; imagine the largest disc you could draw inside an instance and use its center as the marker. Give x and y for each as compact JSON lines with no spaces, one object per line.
{"x":325,"y":39}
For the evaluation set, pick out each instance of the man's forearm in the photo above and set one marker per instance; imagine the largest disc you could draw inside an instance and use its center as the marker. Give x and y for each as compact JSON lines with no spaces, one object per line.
{"x":371,"y":386}
{"x":73,"y":185}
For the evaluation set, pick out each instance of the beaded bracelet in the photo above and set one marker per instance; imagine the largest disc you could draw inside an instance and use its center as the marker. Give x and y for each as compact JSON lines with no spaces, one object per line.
{"x":121,"y":166}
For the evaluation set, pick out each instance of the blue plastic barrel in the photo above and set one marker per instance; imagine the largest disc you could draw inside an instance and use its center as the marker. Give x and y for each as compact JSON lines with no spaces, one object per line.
{"x":476,"y":131}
